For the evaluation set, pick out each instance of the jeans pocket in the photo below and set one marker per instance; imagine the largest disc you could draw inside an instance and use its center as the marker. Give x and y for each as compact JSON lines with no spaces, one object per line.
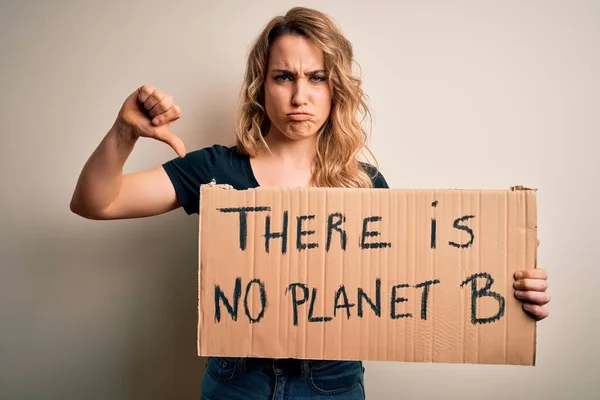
{"x":315,"y":365}
{"x":222,"y":368}
{"x":335,"y":377}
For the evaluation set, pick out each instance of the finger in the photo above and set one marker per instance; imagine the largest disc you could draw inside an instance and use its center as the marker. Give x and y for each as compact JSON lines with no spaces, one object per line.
{"x":537,"y":285}
{"x":538,"y":312}
{"x":172,"y":140}
{"x":144,"y":92}
{"x":535,"y":273}
{"x":156,"y":97}
{"x":539,"y":298}
{"x":172,"y":114}
{"x":162,"y":106}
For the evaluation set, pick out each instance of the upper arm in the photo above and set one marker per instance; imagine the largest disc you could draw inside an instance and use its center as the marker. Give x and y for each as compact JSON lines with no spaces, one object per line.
{"x":143,"y":194}
{"x":174,"y":184}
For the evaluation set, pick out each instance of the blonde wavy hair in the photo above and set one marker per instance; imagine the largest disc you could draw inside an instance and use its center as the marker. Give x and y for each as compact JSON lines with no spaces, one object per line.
{"x":342,"y":139}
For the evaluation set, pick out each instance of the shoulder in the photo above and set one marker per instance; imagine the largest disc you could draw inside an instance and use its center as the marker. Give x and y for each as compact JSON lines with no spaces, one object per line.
{"x":206,"y":158}
{"x":200,"y":167}
{"x":217,"y":163}
{"x":212,"y":154}
{"x":376,"y":176}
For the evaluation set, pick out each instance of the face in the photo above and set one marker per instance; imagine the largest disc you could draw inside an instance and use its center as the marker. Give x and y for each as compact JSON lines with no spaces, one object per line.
{"x":297,"y":94}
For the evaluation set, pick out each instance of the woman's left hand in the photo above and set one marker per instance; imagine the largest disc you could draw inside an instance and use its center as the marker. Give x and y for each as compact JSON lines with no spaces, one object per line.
{"x":531,"y":287}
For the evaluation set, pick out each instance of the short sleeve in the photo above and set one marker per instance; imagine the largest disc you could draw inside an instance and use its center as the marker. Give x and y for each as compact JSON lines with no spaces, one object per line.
{"x":188,"y":173}
{"x":379,"y":181}
{"x":377,"y":177}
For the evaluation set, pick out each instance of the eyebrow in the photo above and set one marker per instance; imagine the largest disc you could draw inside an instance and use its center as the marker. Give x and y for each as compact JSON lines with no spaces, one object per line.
{"x":288,"y":72}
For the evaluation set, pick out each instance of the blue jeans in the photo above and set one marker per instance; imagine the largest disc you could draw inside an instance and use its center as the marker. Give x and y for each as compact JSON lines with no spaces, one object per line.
{"x":262,"y":379}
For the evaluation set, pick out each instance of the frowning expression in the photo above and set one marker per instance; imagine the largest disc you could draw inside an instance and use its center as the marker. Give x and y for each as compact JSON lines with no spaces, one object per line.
{"x":297,"y":93}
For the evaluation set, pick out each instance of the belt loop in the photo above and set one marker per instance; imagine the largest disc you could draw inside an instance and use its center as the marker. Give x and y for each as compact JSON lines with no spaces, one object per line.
{"x":242,"y":364}
{"x":305,"y":369}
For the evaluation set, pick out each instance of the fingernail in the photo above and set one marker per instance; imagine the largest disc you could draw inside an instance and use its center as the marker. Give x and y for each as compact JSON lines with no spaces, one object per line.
{"x":518,"y":275}
{"x":517,"y":285}
{"x":518,"y":293}
{"x":155,"y":121}
{"x":527,"y":306}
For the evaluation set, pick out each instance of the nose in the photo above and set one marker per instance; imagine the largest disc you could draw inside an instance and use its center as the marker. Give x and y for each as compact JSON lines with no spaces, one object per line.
{"x":300,"y":93}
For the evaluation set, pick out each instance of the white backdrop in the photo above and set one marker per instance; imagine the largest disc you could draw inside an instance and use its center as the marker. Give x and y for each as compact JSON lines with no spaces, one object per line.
{"x":464,"y":94}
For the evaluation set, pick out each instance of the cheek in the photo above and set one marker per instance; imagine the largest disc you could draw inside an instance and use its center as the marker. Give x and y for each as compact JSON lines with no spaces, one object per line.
{"x":274,"y":97}
{"x":268,"y":97}
{"x":323,"y":99}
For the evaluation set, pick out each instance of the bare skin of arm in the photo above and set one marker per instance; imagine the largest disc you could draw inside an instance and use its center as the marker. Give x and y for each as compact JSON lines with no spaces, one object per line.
{"x":103,"y":191}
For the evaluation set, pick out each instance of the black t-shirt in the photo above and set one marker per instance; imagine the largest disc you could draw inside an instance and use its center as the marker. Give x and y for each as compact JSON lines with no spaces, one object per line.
{"x":222,"y":165}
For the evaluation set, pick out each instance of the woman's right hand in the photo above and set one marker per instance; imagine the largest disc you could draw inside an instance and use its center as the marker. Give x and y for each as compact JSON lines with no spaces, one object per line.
{"x":148,"y":112}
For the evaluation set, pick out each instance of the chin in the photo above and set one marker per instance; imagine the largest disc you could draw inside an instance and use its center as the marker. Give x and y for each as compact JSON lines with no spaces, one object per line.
{"x":300,"y":135}
{"x":293,"y":133}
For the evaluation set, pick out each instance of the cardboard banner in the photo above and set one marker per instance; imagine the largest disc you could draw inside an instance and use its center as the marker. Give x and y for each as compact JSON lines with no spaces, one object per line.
{"x":366,"y":274}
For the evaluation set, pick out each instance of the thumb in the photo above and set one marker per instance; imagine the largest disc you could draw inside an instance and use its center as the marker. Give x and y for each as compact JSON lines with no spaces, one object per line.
{"x":172,"y":140}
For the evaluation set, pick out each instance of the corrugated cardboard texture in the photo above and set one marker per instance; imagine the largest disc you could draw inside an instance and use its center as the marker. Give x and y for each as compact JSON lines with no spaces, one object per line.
{"x":366,"y":274}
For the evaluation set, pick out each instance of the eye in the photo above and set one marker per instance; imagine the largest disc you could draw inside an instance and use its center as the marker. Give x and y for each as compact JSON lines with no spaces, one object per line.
{"x":317,"y":78}
{"x":282,"y":78}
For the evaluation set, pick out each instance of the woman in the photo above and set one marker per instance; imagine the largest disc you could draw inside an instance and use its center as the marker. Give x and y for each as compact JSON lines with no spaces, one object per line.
{"x":298,"y":126}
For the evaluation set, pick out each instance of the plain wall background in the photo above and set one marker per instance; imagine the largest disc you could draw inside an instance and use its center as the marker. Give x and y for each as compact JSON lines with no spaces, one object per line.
{"x":464,"y":94}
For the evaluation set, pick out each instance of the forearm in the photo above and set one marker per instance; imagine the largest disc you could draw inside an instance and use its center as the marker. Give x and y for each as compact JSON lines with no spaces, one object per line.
{"x":100,"y":180}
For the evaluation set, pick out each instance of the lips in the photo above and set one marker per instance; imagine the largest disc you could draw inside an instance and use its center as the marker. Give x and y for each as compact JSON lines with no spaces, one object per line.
{"x":299,"y":116}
